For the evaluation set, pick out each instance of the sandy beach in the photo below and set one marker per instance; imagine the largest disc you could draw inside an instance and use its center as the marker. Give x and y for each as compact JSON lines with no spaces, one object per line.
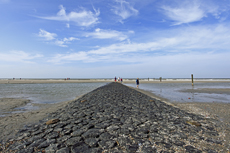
{"x":10,"y":124}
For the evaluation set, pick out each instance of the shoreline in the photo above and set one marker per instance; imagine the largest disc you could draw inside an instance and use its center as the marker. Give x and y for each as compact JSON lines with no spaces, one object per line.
{"x":37,"y":81}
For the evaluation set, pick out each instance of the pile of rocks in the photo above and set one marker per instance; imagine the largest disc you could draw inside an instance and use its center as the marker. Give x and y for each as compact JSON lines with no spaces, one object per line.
{"x":116,"y":118}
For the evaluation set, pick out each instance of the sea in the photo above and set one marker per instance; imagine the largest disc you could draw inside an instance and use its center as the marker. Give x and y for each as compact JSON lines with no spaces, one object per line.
{"x":173,"y":92}
{"x":58,"y":92}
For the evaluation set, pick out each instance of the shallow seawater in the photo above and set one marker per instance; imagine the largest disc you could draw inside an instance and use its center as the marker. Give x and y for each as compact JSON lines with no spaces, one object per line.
{"x":46,"y":93}
{"x":172,"y":91}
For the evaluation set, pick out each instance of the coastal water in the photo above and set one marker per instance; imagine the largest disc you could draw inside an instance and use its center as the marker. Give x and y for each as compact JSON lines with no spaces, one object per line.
{"x":59,"y":92}
{"x":45,"y":93}
{"x":173,"y":91}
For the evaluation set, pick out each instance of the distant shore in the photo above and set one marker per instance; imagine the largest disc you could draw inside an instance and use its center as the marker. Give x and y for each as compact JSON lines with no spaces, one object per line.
{"x":31,"y":81}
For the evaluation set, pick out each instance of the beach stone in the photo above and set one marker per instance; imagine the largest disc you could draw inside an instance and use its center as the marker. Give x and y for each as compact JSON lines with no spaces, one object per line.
{"x":191,"y":149}
{"x":92,"y":133}
{"x":52,"y":121}
{"x":92,"y":142}
{"x":46,"y":143}
{"x":27,"y":150}
{"x":52,"y":135}
{"x":80,"y":147}
{"x":63,"y":138}
{"x":72,"y":141}
{"x":107,"y":144}
{"x":77,"y":132}
{"x":63,"y":150}
{"x":131,"y":148}
{"x":36,"y":143}
{"x":52,"y":148}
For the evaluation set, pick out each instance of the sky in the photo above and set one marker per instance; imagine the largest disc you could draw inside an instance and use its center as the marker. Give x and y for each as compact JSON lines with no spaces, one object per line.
{"x":108,"y":38}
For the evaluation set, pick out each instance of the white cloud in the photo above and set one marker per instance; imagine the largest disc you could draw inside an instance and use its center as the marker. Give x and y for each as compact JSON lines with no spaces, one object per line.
{"x":70,"y":39}
{"x":190,"y":39}
{"x":107,"y":34}
{"x":81,"y":18}
{"x":18,"y":56}
{"x":60,"y":43}
{"x":47,"y":35}
{"x":124,"y":9}
{"x":51,"y":37}
{"x":67,"y":25}
{"x":189,"y":11}
{"x":80,"y":56}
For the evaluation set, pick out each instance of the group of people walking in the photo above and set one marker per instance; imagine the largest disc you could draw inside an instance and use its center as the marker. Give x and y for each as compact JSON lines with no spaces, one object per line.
{"x":120,"y":80}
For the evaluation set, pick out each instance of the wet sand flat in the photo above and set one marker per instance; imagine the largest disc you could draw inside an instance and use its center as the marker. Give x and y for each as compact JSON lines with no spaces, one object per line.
{"x":10,"y":124}
{"x":209,"y":90}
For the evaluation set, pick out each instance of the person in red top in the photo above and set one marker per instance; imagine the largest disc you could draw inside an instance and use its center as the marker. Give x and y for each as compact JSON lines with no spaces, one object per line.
{"x":115,"y":79}
{"x":121,"y":80}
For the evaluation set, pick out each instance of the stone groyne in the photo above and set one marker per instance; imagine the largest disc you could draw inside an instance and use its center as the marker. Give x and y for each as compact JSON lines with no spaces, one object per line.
{"x":115,"y":118}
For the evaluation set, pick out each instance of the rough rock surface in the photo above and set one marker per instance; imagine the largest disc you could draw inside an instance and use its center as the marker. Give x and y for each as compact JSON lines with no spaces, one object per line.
{"x":115,"y":118}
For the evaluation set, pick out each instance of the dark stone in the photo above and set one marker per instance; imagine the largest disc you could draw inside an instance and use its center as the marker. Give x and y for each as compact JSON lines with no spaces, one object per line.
{"x":80,"y":147}
{"x":92,"y":142}
{"x":77,"y":133}
{"x":46,"y":143}
{"x":63,"y":150}
{"x":52,"y":135}
{"x":92,"y":133}
{"x":27,"y":150}
{"x":191,"y":149}
{"x":179,"y":143}
{"x":107,"y":144}
{"x":148,"y":150}
{"x":106,"y":136}
{"x":131,"y":148}
{"x":36,"y":143}
{"x":123,"y":141}
{"x":72,"y":141}
{"x":64,"y":138}
{"x":52,"y":148}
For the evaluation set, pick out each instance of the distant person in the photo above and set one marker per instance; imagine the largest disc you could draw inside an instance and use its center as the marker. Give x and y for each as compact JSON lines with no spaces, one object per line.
{"x":115,"y":79}
{"x":137,"y":82}
{"x":118,"y":79}
{"x":121,"y":80}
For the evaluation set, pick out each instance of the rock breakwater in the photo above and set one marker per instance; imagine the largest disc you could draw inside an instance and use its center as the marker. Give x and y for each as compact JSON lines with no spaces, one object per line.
{"x":115,"y":118}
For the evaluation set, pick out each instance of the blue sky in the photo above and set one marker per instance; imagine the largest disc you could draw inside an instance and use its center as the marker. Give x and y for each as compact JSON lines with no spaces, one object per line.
{"x":108,"y":38}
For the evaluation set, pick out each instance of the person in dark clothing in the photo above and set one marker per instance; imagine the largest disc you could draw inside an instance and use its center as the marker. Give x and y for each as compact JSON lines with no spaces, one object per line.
{"x":137,"y":82}
{"x":115,"y":79}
